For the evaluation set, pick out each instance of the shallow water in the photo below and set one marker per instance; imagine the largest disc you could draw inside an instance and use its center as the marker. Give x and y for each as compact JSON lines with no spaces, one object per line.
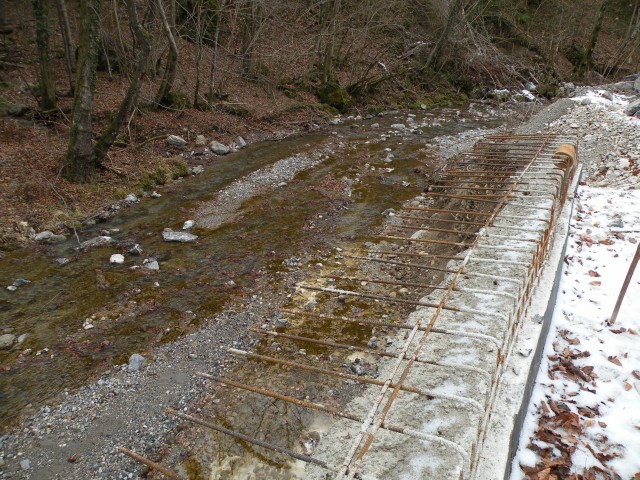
{"x":335,"y":203}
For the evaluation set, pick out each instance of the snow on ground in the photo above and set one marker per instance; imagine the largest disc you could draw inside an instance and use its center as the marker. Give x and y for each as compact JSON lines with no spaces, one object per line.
{"x":584,"y":416}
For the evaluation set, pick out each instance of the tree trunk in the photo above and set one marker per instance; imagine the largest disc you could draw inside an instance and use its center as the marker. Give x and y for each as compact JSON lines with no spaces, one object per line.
{"x":47,"y":91}
{"x":169,"y":76}
{"x":214,"y":51}
{"x":587,"y":58}
{"x":81,"y":163}
{"x":70,"y":58}
{"x":454,"y":8}
{"x":142,"y":58}
{"x":329,"y":18}
{"x":249,"y":33}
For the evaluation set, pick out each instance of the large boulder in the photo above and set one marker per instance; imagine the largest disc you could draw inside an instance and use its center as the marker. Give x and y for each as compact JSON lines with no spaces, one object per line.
{"x":176,"y":141}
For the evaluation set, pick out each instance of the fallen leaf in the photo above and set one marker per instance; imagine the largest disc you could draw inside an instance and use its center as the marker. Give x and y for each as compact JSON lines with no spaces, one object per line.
{"x":636,"y":374}
{"x":593,"y":273}
{"x":627,"y":386}
{"x":614,"y":360}
{"x":596,"y":283}
{"x":606,"y":242}
{"x":619,"y":330}
{"x":602,"y":424}
{"x":632,"y":240}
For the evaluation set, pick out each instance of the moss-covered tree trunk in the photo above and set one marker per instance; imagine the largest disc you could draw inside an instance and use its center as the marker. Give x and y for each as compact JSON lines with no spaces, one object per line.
{"x":214,"y":51}
{"x":251,"y":24}
{"x":47,"y":91}
{"x":143,"y":49}
{"x":81,"y":162}
{"x":168,"y":20}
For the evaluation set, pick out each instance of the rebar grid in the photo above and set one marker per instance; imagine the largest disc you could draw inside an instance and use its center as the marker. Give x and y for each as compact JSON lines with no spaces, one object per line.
{"x":456,"y":233}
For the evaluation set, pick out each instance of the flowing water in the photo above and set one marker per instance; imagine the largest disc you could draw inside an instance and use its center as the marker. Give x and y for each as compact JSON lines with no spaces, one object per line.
{"x":130,"y":310}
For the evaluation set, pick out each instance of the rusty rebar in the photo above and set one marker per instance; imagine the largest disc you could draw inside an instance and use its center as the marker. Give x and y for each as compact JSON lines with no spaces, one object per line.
{"x":153,"y":465}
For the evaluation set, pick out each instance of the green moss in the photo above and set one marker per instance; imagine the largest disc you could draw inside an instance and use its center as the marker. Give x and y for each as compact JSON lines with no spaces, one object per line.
{"x":375,"y":109}
{"x":177,"y":100}
{"x":235,"y":109}
{"x":335,"y":96}
{"x":178,"y":168}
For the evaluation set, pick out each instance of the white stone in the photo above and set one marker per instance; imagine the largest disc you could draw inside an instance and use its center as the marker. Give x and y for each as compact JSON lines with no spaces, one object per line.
{"x":116,"y":258}
{"x":176,"y":141}
{"x":219,"y":148}
{"x":188,"y":225}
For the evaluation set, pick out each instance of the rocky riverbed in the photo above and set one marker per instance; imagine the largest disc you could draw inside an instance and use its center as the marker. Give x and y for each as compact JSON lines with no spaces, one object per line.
{"x":79,"y":437}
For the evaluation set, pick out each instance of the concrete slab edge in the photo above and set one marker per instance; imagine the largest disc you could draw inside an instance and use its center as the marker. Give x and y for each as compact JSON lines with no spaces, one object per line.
{"x":515,"y":390}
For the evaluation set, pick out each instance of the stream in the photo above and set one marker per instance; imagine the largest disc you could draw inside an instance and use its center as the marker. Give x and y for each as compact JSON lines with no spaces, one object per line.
{"x":81,"y":316}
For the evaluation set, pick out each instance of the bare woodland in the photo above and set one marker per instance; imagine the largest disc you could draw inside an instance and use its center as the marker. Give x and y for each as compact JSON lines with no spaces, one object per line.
{"x":180,"y":54}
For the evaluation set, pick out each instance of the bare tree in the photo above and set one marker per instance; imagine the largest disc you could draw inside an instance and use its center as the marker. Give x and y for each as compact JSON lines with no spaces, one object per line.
{"x":214,"y":49}
{"x":69,"y":56}
{"x":586,"y":62}
{"x":168,"y":25}
{"x":47,"y":91}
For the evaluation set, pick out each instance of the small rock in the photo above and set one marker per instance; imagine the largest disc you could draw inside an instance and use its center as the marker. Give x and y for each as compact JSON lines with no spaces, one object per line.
{"x":282,"y":322}
{"x":230,"y":284}
{"x":188,"y":225}
{"x":62,"y":260}
{"x":176,"y":141}
{"x":373,"y":342}
{"x":219,"y":148}
{"x":633,"y":108}
{"x":240,"y":142}
{"x":525,"y":352}
{"x":388,"y":341}
{"x":87,"y":325}
{"x":25,"y":464}
{"x":136,"y":250}
{"x":151,"y":264}
{"x":389,"y":212}
{"x":423,"y":106}
{"x":607,"y":94}
{"x":12,"y":288}
{"x":117,"y":258}
{"x":197,"y":170}
{"x":46,"y":235}
{"x":131,"y":198}
{"x":18,"y":282}
{"x":182,"y":237}
{"x":6,"y":341}
{"x":375,"y":125}
{"x":22,"y":337}
{"x":357,"y":369}
{"x":135,"y":362}
{"x":97,"y":242}
{"x":155,"y":194}
{"x":201,"y":141}
{"x":616,"y":223}
{"x":398,"y":126}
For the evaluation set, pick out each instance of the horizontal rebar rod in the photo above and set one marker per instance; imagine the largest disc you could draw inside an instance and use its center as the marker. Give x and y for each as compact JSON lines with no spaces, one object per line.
{"x":153,"y":465}
{"x":425,"y":393}
{"x":335,"y":413}
{"x":371,"y":351}
{"x":403,"y":326}
{"x":248,"y":439}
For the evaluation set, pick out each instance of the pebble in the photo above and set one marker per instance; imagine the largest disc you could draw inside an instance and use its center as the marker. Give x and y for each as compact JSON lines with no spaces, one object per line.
{"x":6,"y":341}
{"x":151,"y":264}
{"x":155,"y":194}
{"x":176,"y":141}
{"x":219,"y":148}
{"x":25,"y":464}
{"x":136,"y":250}
{"x":131,"y":198}
{"x":197,"y":170}
{"x":188,"y":225}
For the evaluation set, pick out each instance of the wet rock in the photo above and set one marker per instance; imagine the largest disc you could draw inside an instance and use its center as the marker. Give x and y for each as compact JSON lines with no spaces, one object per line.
{"x":282,"y":322}
{"x":136,"y":250}
{"x":6,"y":341}
{"x":197,"y":170}
{"x":633,"y":109}
{"x":201,"y":141}
{"x":135,"y":362}
{"x":181,"y":237}
{"x":373,"y":342}
{"x":22,"y":337}
{"x":188,"y":225}
{"x":636,"y":84}
{"x":131,"y":198}
{"x":117,"y":258}
{"x":219,"y":148}
{"x":12,"y":288}
{"x":176,"y":141}
{"x":97,"y":242}
{"x":155,"y":194}
{"x":151,"y":264}
{"x":240,"y":142}
{"x":398,"y":126}
{"x":389,"y":212}
{"x":49,"y":237}
{"x":18,"y":282}
{"x":62,"y":260}
{"x":25,"y":464}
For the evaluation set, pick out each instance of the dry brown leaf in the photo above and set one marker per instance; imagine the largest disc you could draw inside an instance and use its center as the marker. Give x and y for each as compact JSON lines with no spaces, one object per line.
{"x":602,"y":424}
{"x":627,"y":386}
{"x":596,"y":283}
{"x":637,"y":476}
{"x":593,"y":273}
{"x":636,"y":374}
{"x":632,"y":240}
{"x":614,"y":360}
{"x":589,"y":423}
